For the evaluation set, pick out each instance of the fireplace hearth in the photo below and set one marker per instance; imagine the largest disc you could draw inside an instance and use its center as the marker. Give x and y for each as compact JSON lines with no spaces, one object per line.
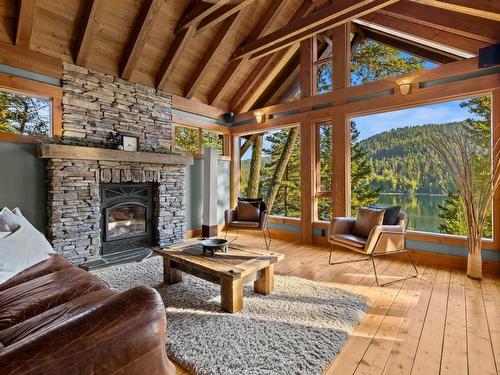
{"x":127,"y":217}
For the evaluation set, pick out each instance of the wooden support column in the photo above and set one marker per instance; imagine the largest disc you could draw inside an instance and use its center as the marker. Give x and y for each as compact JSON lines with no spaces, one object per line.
{"x":235,"y":169}
{"x":341,"y":158}
{"x":495,"y":131}
{"x":307,"y":143}
{"x":341,"y":52}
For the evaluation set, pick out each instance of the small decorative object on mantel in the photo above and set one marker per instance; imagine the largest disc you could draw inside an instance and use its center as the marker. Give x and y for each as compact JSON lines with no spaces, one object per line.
{"x":213,"y":245}
{"x":116,"y":140}
{"x":129,"y":143}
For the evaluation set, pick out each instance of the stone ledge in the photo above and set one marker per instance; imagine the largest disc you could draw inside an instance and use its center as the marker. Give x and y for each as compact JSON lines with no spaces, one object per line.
{"x":54,"y":151}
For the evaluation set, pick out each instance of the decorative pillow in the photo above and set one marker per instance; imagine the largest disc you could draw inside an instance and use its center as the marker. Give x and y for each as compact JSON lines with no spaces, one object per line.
{"x":366,"y":220}
{"x":247,"y":211}
{"x":22,"y":248}
{"x":391,"y":214}
{"x":258,"y":202}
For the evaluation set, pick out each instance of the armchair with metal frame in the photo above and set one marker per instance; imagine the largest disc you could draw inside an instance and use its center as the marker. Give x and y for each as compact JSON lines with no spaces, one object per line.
{"x":232,"y":221}
{"x":383,"y":240}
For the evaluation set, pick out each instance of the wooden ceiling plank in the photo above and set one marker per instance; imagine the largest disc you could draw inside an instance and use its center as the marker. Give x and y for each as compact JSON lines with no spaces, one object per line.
{"x":173,"y":55}
{"x":269,"y":16}
{"x":25,"y":23}
{"x":489,"y":9}
{"x":223,"y":34}
{"x":140,"y":37}
{"x":437,"y":38}
{"x":198,"y":12}
{"x":91,"y":26}
{"x":447,"y":20}
{"x":221,"y":14}
{"x":414,"y":49}
{"x":339,"y":12}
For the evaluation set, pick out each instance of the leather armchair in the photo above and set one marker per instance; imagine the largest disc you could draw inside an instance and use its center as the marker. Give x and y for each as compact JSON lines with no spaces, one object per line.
{"x":231,"y":222}
{"x":382,"y":240}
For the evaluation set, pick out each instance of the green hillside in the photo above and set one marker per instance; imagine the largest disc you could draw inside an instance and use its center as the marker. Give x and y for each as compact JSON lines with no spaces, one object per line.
{"x":403,"y":162}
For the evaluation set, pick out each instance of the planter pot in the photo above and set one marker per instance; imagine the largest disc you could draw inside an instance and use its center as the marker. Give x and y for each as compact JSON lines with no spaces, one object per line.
{"x":475,"y":266}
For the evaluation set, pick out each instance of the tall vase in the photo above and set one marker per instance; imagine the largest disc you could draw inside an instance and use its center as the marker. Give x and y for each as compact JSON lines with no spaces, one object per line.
{"x":475,"y":266}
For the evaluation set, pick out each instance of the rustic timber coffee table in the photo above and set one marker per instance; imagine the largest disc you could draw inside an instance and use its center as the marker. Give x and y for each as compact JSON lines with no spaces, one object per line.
{"x":231,"y":270}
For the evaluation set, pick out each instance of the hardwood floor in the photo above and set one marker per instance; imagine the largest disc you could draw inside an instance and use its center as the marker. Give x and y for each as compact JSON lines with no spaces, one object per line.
{"x":439,"y":323}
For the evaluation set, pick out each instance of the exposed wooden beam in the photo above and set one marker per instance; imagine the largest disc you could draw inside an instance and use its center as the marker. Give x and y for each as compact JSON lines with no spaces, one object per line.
{"x":269,"y":16}
{"x":267,"y":69}
{"x":248,"y":142}
{"x":458,"y":23}
{"x":140,"y":37}
{"x":435,"y":38}
{"x":415,"y":49}
{"x":489,"y":9}
{"x":198,"y":12}
{"x":25,"y":23}
{"x":264,"y":73}
{"x":32,"y":61}
{"x":308,"y":54}
{"x":173,"y":55}
{"x":339,"y":12}
{"x":221,"y":14}
{"x":90,"y":28}
{"x":223,"y":34}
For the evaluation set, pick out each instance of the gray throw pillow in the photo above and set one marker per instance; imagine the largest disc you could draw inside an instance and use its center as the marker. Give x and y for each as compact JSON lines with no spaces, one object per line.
{"x":366,"y":220}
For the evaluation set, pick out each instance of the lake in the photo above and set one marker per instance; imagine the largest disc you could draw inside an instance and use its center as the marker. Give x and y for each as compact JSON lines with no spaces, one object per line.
{"x":422,"y":209}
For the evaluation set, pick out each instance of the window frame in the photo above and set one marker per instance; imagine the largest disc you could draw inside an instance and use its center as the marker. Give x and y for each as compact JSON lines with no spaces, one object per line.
{"x":199,"y":150}
{"x":27,"y":87}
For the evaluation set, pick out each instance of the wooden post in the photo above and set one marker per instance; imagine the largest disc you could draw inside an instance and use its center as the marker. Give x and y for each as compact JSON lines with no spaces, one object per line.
{"x":231,"y":294}
{"x":307,"y":143}
{"x":341,"y":158}
{"x":495,"y":133}
{"x":235,"y":169}
{"x":265,"y":283}
{"x":341,"y":52}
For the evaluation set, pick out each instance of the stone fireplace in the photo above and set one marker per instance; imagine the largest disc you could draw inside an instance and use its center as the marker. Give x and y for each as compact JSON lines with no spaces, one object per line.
{"x":102,"y":201}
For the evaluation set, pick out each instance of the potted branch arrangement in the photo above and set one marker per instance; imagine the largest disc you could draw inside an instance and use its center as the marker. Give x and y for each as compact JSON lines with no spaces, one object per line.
{"x":468,"y":163}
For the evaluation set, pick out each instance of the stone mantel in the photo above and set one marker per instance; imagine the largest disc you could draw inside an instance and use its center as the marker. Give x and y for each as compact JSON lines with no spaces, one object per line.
{"x":55,"y":151}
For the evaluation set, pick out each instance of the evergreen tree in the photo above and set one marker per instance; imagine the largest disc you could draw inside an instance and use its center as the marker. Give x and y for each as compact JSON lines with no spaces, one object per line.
{"x":362,"y":192}
{"x":24,"y":115}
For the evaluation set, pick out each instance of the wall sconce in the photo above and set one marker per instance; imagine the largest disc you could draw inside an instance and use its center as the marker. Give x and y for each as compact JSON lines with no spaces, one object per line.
{"x":260,"y":117}
{"x":405,"y":84}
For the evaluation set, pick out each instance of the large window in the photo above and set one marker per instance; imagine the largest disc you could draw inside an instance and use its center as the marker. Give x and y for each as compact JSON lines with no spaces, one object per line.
{"x":195,"y":139}
{"x":25,"y":115}
{"x":370,"y":61}
{"x":324,"y":177}
{"x":392,"y":162}
{"x":270,"y":168}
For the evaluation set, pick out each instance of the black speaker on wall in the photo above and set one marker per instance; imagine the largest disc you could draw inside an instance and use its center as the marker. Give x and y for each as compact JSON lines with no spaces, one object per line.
{"x":229,"y":117}
{"x":489,"y":56}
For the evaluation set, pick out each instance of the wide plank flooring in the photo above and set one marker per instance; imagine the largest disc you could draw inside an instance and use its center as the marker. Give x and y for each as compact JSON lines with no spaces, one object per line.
{"x":439,"y":323}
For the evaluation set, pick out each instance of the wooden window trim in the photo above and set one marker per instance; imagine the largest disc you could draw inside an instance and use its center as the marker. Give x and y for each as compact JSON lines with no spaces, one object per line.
{"x":23,"y":86}
{"x":199,"y":152}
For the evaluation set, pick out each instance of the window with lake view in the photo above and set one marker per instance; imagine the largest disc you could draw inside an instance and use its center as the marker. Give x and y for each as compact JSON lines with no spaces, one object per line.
{"x":392,"y":163}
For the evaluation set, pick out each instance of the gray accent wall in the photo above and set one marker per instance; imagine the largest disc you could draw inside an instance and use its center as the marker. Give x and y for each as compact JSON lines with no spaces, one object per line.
{"x":23,"y":182}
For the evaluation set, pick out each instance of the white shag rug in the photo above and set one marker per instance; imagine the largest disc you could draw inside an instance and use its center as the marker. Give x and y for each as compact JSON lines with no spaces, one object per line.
{"x":296,"y":330}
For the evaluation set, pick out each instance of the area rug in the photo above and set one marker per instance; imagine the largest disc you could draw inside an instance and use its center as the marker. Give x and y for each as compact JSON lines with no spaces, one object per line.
{"x":297,"y":330}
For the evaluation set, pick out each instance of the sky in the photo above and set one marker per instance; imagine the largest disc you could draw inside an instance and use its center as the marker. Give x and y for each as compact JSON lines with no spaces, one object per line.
{"x":429,"y":114}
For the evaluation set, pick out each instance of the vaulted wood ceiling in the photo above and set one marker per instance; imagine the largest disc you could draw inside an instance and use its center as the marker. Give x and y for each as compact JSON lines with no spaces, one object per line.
{"x":228,"y":52}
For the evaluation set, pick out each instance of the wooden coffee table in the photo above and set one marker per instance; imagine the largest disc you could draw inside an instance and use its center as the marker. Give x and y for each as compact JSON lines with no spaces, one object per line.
{"x":231,"y":270}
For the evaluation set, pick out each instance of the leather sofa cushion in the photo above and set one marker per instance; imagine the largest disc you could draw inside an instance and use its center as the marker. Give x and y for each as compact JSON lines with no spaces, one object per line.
{"x":33,"y":297}
{"x":52,"y":317}
{"x":349,"y":239}
{"x":53,"y":264}
{"x":245,"y":224}
{"x":366,"y":220}
{"x":247,"y":211}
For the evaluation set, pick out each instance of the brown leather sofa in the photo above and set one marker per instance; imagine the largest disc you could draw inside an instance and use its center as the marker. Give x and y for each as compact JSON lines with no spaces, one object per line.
{"x":56,"y":318}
